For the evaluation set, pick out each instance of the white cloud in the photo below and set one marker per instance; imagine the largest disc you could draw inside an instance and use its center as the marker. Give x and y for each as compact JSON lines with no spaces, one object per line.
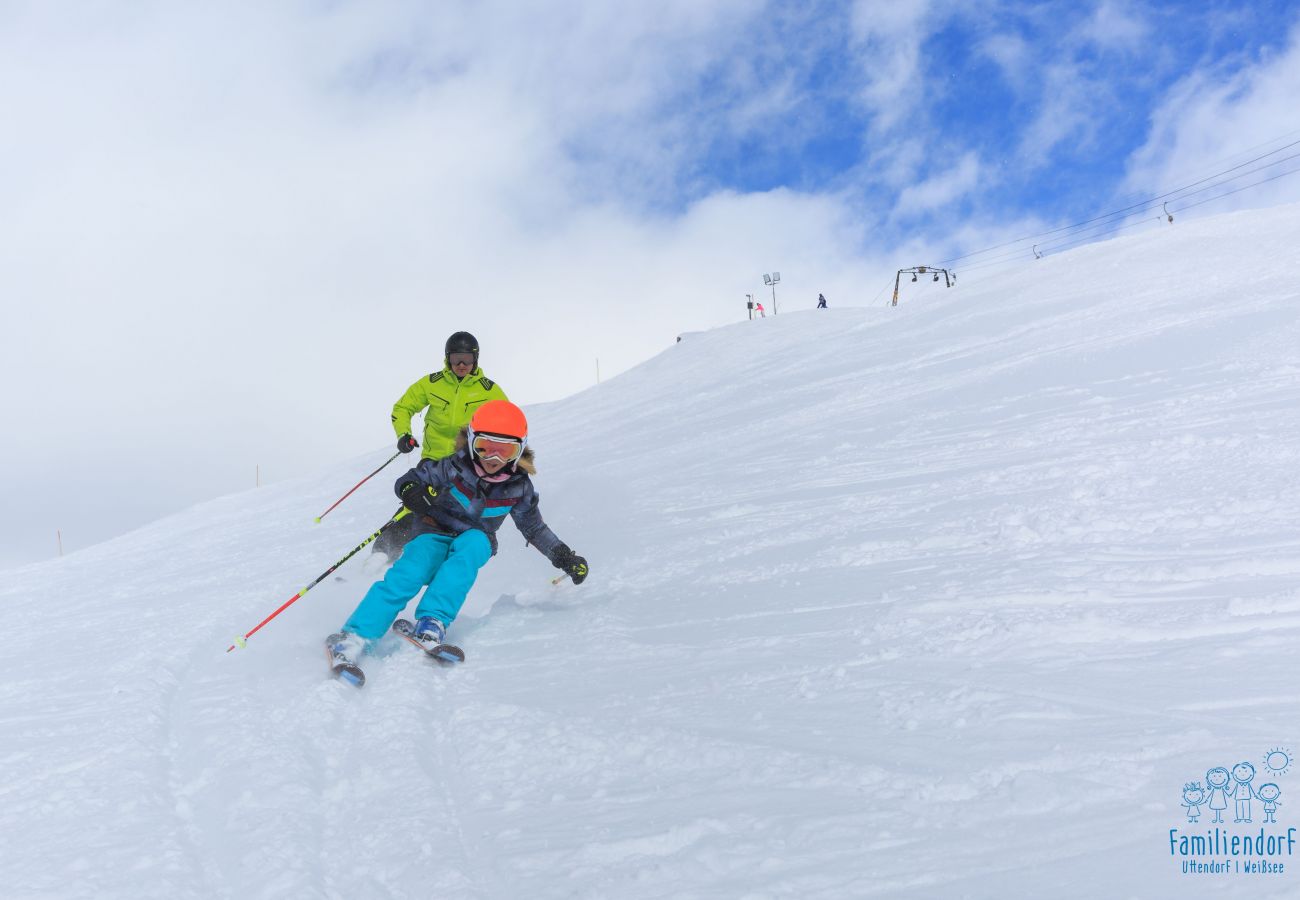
{"x":1205,"y":121}
{"x":888,"y":38}
{"x":940,"y":189}
{"x":1067,"y":112}
{"x":1011,"y":52}
{"x":1116,"y":26}
{"x":233,"y":235}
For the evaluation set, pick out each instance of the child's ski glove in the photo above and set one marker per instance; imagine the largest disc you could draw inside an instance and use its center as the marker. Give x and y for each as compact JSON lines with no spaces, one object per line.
{"x":570,"y":563}
{"x":418,"y":498}
{"x":406,"y":443}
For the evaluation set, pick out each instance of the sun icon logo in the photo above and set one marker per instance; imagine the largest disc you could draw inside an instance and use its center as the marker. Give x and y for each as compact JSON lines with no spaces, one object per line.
{"x":1277,"y":761}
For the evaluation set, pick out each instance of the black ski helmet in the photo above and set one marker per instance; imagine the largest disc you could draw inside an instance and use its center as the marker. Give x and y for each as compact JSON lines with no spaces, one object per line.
{"x":461,"y":342}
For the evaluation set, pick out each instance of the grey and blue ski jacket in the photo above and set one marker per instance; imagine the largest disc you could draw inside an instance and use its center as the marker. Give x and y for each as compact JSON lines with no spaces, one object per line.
{"x":465,"y":501}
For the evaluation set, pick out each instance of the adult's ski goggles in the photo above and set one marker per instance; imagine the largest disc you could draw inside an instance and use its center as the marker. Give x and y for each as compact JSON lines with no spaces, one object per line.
{"x":503,"y":448}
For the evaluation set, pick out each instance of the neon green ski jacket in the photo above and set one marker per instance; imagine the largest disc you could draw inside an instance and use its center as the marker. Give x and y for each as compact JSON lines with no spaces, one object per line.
{"x":450,"y":404}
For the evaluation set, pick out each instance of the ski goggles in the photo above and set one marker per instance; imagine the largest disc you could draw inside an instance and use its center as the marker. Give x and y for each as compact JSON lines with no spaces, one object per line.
{"x":461,"y":359}
{"x":503,"y":448}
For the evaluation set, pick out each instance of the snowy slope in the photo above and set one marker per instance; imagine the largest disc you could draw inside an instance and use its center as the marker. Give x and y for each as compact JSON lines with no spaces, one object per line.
{"x":942,"y":600}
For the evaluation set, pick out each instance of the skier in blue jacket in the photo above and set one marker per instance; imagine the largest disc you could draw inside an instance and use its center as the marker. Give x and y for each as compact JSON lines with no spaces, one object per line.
{"x":457,"y":503}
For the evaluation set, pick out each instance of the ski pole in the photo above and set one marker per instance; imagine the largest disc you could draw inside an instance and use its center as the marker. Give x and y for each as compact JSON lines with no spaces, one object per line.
{"x":358,"y":484}
{"x":558,"y":578}
{"x":243,"y":641}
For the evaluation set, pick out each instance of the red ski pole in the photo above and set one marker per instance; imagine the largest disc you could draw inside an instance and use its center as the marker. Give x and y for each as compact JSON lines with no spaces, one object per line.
{"x":358,"y":484}
{"x":242,"y":641}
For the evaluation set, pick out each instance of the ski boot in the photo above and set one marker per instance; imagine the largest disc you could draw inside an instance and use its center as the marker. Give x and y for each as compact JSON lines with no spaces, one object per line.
{"x":429,"y":632}
{"x":344,"y":650}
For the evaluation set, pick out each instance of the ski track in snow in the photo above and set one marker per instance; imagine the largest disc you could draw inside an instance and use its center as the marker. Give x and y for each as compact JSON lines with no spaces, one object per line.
{"x":948,"y":599}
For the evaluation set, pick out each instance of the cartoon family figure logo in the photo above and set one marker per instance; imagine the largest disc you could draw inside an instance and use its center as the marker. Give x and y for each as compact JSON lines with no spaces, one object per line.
{"x":1214,"y":849}
{"x":1238,"y":786}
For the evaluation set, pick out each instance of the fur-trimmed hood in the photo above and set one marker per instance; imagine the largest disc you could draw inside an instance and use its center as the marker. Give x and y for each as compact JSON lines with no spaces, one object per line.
{"x":463,"y":500}
{"x":527,"y":462}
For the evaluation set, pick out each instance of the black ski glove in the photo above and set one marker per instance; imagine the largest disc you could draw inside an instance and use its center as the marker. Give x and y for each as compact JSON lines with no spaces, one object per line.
{"x":571,"y":563}
{"x":418,"y":498}
{"x":406,"y":443}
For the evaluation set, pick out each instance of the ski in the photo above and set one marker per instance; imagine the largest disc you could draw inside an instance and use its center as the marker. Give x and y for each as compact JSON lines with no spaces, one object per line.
{"x":343,"y":668}
{"x":447,"y":653}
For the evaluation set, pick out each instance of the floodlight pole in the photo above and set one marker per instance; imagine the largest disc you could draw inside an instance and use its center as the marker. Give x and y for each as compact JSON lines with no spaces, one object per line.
{"x":773,"y":280}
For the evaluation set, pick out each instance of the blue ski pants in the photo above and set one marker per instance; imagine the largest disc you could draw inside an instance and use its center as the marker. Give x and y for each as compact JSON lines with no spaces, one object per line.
{"x":447,"y":565}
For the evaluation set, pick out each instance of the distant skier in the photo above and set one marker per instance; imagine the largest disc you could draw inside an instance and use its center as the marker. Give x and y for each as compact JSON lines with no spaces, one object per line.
{"x":759,"y":307}
{"x":458,"y":503}
{"x":821,"y":301}
{"x":448,"y":399}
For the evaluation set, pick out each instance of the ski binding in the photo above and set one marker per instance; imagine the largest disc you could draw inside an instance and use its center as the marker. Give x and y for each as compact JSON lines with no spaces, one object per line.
{"x":448,"y":653}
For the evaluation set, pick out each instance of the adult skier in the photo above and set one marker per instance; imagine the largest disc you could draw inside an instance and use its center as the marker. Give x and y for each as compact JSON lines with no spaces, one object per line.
{"x":457,"y":503}
{"x":448,"y":400}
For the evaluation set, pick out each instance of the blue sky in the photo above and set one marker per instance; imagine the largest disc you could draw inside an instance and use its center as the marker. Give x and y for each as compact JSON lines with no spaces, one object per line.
{"x":234,"y":233}
{"x":1048,"y":101}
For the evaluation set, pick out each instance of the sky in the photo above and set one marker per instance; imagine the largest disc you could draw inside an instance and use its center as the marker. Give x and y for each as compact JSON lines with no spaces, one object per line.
{"x":231,"y":236}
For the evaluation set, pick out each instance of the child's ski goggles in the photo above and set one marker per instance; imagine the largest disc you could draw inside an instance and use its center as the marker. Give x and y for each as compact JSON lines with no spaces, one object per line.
{"x":503,"y":448}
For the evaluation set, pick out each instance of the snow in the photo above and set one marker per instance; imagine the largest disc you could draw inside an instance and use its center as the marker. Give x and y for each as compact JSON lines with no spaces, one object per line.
{"x":948,"y":599}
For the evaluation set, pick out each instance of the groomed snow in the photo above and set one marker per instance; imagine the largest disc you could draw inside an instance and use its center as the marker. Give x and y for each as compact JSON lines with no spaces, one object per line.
{"x":943,"y":600}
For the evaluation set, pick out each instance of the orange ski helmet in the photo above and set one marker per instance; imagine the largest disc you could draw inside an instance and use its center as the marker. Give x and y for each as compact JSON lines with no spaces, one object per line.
{"x":499,"y":430}
{"x":500,"y":417}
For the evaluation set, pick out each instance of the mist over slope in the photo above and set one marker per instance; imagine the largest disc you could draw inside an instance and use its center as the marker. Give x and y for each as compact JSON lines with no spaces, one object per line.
{"x":948,"y":599}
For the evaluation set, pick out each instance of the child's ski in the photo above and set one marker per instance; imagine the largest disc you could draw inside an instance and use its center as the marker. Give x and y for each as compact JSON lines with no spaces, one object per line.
{"x":343,"y":668}
{"x":449,"y":653}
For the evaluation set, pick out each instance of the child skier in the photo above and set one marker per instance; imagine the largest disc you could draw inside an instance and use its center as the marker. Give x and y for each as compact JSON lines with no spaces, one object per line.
{"x":457,"y":503}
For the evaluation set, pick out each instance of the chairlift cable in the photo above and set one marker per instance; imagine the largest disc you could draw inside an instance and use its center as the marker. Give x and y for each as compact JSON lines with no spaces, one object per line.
{"x":1103,"y":226}
{"x":1009,"y":260}
{"x":1134,"y":206}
